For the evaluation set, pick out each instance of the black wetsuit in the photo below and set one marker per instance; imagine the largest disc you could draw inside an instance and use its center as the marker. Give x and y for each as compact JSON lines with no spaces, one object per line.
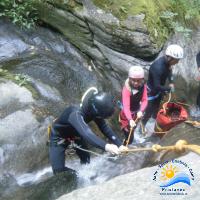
{"x":159,"y":72}
{"x":198,"y":65}
{"x":72,"y":125}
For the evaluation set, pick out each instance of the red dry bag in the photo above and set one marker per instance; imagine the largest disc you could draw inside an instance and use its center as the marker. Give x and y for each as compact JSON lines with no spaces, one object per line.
{"x":170,"y":115}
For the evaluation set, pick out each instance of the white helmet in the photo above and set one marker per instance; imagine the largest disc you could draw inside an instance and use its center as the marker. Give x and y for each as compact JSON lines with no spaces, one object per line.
{"x":136,"y":72}
{"x":175,"y":51}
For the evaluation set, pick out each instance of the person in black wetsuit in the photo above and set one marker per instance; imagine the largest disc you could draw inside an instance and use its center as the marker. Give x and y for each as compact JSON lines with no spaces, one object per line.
{"x":161,"y":70}
{"x":72,"y":126}
{"x":198,"y":65}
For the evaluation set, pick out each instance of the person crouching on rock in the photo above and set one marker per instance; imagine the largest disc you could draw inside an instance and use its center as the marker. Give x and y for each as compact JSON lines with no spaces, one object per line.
{"x":72,"y":125}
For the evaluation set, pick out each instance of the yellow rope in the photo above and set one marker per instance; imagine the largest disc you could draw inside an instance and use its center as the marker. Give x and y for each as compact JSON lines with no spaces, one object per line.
{"x":129,"y":136}
{"x":194,"y":123}
{"x":180,"y":146}
{"x":165,"y":104}
{"x":160,"y":130}
{"x":130,"y":132}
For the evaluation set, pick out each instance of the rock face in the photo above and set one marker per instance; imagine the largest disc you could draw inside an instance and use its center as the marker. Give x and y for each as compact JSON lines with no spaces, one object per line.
{"x":100,"y":35}
{"x":138,"y":185}
{"x":115,"y":44}
{"x":39,"y":77}
{"x":186,"y":71}
{"x":58,"y":73}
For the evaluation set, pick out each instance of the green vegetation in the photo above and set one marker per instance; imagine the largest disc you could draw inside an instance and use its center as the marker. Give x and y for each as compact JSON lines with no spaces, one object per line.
{"x":21,"y":12}
{"x":21,"y":79}
{"x":66,"y":4}
{"x":25,"y":13}
{"x":161,"y":16}
{"x":182,"y":15}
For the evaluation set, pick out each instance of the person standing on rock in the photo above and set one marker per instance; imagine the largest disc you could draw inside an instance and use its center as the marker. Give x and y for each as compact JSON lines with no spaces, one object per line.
{"x":72,"y":126}
{"x":198,"y":65}
{"x":161,"y":70}
{"x":134,"y":101}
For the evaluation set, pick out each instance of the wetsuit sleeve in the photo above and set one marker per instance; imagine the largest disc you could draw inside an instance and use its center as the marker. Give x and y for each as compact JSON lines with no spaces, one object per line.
{"x":198,"y":59}
{"x":156,"y":81}
{"x":144,"y":100}
{"x":77,"y":121}
{"x":108,"y":132}
{"x":170,"y":77}
{"x":126,"y":97}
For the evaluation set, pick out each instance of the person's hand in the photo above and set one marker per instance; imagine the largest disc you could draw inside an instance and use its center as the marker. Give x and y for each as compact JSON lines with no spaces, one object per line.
{"x":172,"y":87}
{"x":113,"y":149}
{"x":132,"y":123}
{"x":123,"y":148}
{"x":139,"y":114}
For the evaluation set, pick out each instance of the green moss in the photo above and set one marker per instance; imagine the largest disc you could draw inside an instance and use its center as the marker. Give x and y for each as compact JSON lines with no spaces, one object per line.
{"x":10,"y":76}
{"x":151,"y":8}
{"x":66,"y":4}
{"x":159,"y":28}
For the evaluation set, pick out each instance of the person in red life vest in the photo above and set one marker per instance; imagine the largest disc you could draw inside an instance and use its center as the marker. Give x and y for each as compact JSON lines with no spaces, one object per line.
{"x":134,"y":101}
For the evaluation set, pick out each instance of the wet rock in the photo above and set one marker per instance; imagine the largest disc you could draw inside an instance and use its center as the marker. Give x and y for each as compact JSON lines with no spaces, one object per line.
{"x":49,"y":189}
{"x":11,"y":92}
{"x":11,"y":44}
{"x":136,"y":185}
{"x":88,"y":24}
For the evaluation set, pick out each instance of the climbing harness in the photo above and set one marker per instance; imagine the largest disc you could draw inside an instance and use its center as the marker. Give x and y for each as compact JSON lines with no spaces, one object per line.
{"x":150,"y":98}
{"x":153,"y":97}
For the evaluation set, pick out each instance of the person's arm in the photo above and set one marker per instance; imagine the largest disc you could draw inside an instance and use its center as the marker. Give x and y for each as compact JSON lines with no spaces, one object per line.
{"x":77,"y":121}
{"x":126,"y":98}
{"x":107,"y":131}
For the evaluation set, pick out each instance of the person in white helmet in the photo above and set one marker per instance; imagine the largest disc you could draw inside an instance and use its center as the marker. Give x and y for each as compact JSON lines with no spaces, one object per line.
{"x":161,"y":70}
{"x":134,"y":101}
